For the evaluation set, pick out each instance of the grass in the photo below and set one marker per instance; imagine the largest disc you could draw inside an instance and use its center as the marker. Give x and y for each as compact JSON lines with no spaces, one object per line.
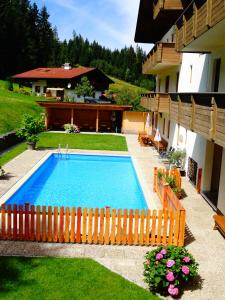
{"x":119,"y":85}
{"x":6,"y":157}
{"x":13,"y":106}
{"x":74,"y":141}
{"x":64,"y":278}
{"x":82,"y":141}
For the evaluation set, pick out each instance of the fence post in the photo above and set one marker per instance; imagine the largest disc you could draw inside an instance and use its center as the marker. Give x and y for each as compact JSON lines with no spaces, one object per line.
{"x":182,"y":228}
{"x":199,"y":180}
{"x":155,"y":178}
{"x":165,"y":191}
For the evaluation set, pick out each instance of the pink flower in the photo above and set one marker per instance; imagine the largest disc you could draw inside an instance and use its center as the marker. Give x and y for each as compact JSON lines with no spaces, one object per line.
{"x":163,"y":251}
{"x":170,"y":276}
{"x":159,"y":256}
{"x":186,"y":259}
{"x":172,"y":290}
{"x":147,"y":262}
{"x":170,"y":263}
{"x":185,"y":270}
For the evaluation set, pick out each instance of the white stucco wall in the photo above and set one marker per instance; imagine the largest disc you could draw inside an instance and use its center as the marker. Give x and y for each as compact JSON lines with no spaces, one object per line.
{"x":194,"y":73}
{"x":41,"y":83}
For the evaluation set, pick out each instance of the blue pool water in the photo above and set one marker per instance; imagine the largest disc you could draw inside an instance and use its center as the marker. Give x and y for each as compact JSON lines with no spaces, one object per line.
{"x":83,"y":181}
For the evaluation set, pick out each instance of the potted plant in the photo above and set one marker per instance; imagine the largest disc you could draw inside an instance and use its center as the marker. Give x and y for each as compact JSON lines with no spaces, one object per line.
{"x":2,"y":173}
{"x":29,"y":130}
{"x":71,"y":128}
{"x":178,"y":192}
{"x":177,"y":159}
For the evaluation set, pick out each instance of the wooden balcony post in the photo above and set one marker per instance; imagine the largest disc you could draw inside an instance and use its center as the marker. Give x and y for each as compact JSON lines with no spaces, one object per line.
{"x":184,"y":31}
{"x":179,"y":109}
{"x":195,"y":16}
{"x":209,"y":13}
{"x":159,"y":53}
{"x":193,"y":113}
{"x":72,"y":116}
{"x":213,"y":116}
{"x":97,"y":120}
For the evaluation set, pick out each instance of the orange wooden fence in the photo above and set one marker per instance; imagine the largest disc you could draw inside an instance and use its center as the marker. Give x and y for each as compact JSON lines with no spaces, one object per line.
{"x":92,"y":226}
{"x":165,"y":193}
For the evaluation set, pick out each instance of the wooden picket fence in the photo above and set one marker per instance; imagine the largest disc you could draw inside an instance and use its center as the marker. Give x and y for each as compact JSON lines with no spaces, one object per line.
{"x":165,"y":193}
{"x":91,"y":226}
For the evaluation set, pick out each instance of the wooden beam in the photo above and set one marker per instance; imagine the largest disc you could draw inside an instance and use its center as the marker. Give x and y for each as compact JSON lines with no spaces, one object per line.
{"x":72,"y":116}
{"x":97,"y":120}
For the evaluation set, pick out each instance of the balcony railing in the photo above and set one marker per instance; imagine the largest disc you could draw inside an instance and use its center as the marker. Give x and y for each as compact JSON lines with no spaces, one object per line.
{"x":162,"y":56}
{"x":203,"y":113}
{"x":166,"y":5}
{"x":156,"y":102}
{"x":196,"y":20}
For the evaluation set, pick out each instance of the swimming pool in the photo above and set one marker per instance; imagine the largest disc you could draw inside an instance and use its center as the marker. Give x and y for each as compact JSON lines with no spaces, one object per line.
{"x":83,"y":181}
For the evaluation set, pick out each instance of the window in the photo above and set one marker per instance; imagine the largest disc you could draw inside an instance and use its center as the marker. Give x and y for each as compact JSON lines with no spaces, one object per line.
{"x":167,"y":84}
{"x":172,"y":37}
{"x":168,"y":132}
{"x":159,"y":85}
{"x":164,"y":125}
{"x":45,"y":89}
{"x":177,"y":81}
{"x":37,"y":89}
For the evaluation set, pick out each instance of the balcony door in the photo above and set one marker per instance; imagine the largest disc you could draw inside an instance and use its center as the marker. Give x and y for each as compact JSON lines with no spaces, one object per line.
{"x":216,"y":169}
{"x":167,"y":84}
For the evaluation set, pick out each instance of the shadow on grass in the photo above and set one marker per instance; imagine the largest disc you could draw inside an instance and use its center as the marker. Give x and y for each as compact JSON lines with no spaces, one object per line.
{"x":12,"y":271}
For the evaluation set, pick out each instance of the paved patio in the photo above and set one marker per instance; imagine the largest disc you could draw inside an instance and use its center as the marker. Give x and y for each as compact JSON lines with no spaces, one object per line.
{"x":207,"y":245}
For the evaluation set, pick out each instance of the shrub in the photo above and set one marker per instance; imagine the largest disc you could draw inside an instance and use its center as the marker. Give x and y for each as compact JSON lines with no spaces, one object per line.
{"x":30,"y":128}
{"x":71,"y":128}
{"x":167,"y":269}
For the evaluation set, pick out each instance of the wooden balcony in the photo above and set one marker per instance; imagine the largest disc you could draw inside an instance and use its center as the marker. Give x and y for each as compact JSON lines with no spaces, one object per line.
{"x":156,"y":102}
{"x":203,"y":113}
{"x":192,"y":28}
{"x":161,"y":7}
{"x":162,"y":56}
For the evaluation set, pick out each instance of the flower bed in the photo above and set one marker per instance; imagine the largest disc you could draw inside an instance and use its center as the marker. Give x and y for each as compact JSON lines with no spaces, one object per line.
{"x":166,"y":270}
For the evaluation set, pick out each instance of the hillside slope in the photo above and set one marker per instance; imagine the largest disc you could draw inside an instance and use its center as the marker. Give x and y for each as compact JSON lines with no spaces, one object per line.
{"x":12,"y":108}
{"x":120,"y":85}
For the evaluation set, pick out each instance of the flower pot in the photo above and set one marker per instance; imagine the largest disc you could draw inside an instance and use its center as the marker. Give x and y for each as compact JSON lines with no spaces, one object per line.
{"x":31,"y":145}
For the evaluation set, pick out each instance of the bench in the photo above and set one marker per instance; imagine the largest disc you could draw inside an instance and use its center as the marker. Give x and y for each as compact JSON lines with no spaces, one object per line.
{"x":219,"y":223}
{"x":161,"y":146}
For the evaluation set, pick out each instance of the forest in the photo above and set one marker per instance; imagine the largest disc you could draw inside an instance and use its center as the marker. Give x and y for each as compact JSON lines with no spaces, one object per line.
{"x":28,"y":40}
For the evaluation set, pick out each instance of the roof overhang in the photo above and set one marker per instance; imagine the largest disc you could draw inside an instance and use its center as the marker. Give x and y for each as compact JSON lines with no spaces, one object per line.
{"x":149,"y":30}
{"x":83,"y":106}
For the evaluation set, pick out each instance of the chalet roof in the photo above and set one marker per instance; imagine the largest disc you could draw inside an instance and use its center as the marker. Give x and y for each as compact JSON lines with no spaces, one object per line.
{"x":56,"y":73}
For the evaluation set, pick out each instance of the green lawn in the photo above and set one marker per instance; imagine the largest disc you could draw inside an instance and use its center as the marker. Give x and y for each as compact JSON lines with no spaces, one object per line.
{"x":82,"y":141}
{"x":63,"y":278}
{"x":13,"y":106}
{"x":74,"y":141}
{"x":6,"y":157}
